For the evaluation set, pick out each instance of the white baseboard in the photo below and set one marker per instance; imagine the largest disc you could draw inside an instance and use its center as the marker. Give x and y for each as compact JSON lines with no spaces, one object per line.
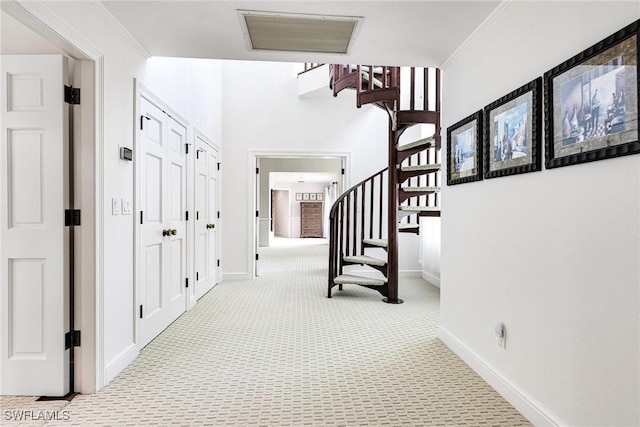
{"x":234,"y":277}
{"x":434,"y":280}
{"x":523,"y":403}
{"x":120,"y":362}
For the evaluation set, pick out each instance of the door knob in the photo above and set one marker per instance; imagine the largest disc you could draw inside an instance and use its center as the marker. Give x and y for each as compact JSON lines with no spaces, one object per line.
{"x":166,"y":232}
{"x":211,"y":226}
{"x":173,"y":232}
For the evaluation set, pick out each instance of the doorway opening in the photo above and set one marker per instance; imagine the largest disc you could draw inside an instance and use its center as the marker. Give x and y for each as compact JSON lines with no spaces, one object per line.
{"x":286,"y":186}
{"x":25,"y":33}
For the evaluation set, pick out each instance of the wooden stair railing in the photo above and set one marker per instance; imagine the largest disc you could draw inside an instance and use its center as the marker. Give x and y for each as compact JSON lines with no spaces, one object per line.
{"x":412,"y":185}
{"x":356,"y":217}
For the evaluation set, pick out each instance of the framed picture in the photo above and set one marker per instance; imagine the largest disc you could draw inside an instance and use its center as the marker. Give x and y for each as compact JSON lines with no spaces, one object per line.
{"x":464,"y":150}
{"x":591,"y":102}
{"x":512,"y":132}
{"x":319,"y":197}
{"x":305,"y":197}
{"x":298,"y":197}
{"x":312,"y":197}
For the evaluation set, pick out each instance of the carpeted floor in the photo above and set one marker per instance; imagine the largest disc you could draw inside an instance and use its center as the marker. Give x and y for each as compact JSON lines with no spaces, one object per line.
{"x":275,"y":351}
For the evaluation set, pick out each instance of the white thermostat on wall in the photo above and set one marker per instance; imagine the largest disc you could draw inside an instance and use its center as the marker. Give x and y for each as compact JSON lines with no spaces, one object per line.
{"x":126,"y":153}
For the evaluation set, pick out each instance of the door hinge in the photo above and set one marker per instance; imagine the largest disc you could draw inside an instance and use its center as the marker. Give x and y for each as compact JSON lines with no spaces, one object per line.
{"x":218,"y":165}
{"x":197,"y":215}
{"x":141,"y":217}
{"x":186,"y":148}
{"x":257,"y":257}
{"x":71,"y":217}
{"x":257,"y":214}
{"x":142,"y":119}
{"x":342,"y":171}
{"x":141,"y":311}
{"x":71,"y":339}
{"x":186,"y":216}
{"x":218,"y":214}
{"x":187,"y":282}
{"x":218,"y":263}
{"x":257,"y":171}
{"x":197,"y":276}
{"x":71,"y":95}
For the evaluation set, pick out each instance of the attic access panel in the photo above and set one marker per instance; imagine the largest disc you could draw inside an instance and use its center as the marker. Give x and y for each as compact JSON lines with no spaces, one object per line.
{"x":299,"y":33}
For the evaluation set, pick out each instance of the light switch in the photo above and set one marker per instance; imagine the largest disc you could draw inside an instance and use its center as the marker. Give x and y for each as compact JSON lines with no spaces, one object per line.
{"x":115,"y":206}
{"x":126,"y":207}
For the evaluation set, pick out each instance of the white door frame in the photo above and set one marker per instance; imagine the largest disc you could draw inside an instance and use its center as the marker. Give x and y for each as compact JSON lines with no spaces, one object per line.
{"x":254,"y":155}
{"x":89,"y":369}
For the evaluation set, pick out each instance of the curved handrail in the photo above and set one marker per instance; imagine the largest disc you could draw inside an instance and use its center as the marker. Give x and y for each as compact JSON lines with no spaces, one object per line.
{"x":357,"y":214}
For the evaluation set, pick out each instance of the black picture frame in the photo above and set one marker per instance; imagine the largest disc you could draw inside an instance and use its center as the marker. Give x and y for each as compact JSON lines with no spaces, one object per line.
{"x":464,"y":150}
{"x":582,"y":125}
{"x":512,"y":132}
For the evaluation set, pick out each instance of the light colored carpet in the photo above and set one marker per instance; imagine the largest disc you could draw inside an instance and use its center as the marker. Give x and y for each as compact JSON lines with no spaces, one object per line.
{"x":276,"y":352}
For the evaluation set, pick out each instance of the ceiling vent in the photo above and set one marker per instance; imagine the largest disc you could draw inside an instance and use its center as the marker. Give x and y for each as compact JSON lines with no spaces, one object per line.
{"x":299,"y":33}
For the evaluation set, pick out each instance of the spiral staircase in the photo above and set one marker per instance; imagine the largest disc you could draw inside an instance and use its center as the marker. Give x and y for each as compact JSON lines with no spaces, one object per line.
{"x":366,"y":219}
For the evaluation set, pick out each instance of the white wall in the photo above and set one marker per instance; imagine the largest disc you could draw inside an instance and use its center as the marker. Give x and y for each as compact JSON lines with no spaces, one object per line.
{"x":271,"y":117}
{"x":191,"y":88}
{"x":553,"y":254}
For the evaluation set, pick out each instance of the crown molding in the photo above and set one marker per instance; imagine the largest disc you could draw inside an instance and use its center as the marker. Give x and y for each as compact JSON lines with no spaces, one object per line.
{"x":502,"y":7}
{"x":118,"y":26}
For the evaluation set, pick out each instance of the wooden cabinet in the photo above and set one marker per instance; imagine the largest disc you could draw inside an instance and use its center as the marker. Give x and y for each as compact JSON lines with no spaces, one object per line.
{"x":310,"y":219}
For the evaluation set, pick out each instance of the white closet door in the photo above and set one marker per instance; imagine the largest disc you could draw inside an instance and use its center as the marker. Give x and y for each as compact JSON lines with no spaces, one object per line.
{"x":163,"y":227}
{"x":206,"y":217}
{"x":34,"y":256}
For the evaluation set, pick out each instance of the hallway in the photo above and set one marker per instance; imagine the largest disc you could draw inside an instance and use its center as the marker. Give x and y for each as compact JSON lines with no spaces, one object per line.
{"x":275,"y":351}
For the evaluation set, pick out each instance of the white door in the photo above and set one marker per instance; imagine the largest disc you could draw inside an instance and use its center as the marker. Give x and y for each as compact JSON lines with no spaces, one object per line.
{"x":206,"y":216}
{"x":34,"y":257}
{"x":163,"y":229}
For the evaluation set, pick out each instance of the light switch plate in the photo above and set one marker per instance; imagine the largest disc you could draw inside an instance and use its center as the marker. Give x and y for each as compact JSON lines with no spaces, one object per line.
{"x":115,"y":206}
{"x":126,"y":207}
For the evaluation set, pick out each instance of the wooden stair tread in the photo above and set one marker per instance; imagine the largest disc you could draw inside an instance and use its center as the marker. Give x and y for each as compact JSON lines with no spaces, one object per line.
{"x":427,"y":167}
{"x":426,"y":142}
{"x":365,"y":259}
{"x":407,"y":226}
{"x":345,"y":279}
{"x":382,"y":243}
{"x":376,"y":82}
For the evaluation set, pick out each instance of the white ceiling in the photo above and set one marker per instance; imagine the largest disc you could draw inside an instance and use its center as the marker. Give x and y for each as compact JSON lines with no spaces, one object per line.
{"x":420,"y":33}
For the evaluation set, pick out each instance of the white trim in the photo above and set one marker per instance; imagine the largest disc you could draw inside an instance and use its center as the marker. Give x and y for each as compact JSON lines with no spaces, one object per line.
{"x":256,"y":154}
{"x":99,"y":220}
{"x":532,"y":410}
{"x":121,"y":361}
{"x":431,"y":278}
{"x":476,"y":33}
{"x":121,"y":29}
{"x":39,"y":18}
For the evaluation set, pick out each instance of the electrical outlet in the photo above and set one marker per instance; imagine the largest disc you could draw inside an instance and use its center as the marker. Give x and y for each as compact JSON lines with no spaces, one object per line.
{"x":115,"y":206}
